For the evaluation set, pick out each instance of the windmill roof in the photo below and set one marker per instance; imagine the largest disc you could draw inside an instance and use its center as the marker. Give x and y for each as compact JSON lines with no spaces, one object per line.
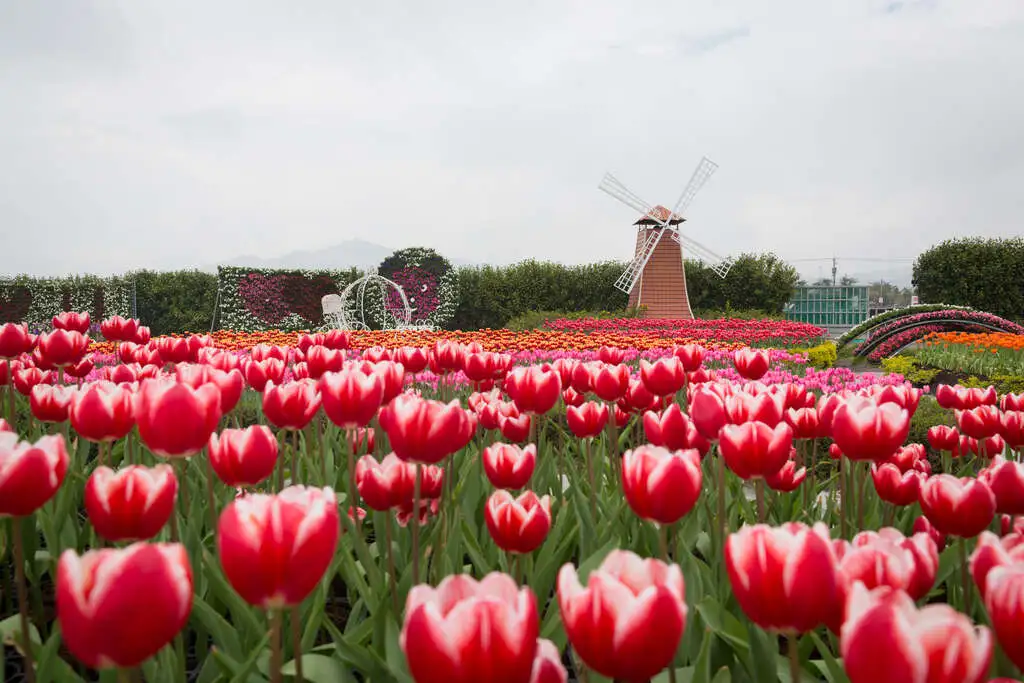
{"x":660,"y":214}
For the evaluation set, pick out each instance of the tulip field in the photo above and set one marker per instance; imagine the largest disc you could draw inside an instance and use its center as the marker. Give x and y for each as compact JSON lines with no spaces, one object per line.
{"x":595,"y":501}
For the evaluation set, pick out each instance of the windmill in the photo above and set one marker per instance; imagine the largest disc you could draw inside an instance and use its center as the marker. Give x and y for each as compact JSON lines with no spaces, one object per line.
{"x":655,"y":278}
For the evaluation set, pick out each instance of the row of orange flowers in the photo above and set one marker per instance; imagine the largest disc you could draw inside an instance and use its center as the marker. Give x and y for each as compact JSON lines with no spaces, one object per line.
{"x":979,"y":340}
{"x":508,"y":341}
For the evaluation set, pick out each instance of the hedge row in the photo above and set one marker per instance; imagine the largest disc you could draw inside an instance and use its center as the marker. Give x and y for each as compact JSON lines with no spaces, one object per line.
{"x":489,"y":297}
{"x":985,"y":274}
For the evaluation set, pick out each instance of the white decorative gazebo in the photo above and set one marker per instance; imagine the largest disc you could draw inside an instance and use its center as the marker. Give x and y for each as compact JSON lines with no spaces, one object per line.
{"x":348,"y":310}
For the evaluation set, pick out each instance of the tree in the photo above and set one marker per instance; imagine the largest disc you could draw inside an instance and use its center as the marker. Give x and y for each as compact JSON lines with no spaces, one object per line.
{"x":985,"y":273}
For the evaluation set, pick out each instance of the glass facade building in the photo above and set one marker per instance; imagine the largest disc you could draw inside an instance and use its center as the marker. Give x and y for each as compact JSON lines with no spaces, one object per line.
{"x":828,"y":306}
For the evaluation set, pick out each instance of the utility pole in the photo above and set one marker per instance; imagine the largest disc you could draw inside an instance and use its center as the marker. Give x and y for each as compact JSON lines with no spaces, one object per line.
{"x":834,"y":269}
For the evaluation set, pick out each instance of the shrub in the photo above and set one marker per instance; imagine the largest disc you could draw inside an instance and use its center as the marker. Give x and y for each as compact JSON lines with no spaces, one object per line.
{"x":822,"y":356}
{"x":900,"y":365}
{"x":987,"y":274}
{"x":172,"y":302}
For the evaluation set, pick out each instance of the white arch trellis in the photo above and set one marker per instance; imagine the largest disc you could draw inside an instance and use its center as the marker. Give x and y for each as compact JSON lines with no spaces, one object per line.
{"x":347,"y":311}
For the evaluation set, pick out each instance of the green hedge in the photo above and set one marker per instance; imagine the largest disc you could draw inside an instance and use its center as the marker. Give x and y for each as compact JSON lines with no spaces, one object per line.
{"x":186,"y":300}
{"x":176,"y":301}
{"x":985,"y":274}
{"x":36,"y":300}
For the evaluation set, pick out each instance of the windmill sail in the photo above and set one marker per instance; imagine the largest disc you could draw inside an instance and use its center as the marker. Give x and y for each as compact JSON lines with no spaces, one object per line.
{"x":631,"y":275}
{"x":720,"y":265}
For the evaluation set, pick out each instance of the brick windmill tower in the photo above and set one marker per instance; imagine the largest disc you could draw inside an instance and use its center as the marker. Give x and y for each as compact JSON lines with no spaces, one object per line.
{"x":655,"y":278}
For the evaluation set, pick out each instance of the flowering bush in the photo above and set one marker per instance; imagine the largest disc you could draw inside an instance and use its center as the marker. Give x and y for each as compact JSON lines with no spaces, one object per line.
{"x":430,"y":285}
{"x":912,"y":327}
{"x":36,"y":300}
{"x":256,"y":299}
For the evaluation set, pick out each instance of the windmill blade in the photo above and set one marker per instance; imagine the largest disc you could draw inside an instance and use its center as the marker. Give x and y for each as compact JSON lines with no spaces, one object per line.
{"x":631,"y":275}
{"x":611,"y":186}
{"x":701,"y":174}
{"x":721,"y":265}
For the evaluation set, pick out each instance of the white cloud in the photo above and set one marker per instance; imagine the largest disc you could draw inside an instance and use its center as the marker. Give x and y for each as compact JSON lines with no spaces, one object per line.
{"x":168,"y":134}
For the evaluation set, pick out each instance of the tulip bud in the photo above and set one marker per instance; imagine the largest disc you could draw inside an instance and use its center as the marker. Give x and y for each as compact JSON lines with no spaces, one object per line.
{"x":243,"y":457}
{"x":102,"y":594}
{"x":661,"y":485}
{"x":132,"y":504}
{"x":508,"y":466}
{"x":30,"y":473}
{"x":518,"y":525}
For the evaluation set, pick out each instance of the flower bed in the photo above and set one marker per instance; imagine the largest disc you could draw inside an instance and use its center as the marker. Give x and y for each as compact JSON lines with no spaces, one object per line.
{"x":987,"y":354}
{"x":347,"y":528}
{"x":763,"y":332}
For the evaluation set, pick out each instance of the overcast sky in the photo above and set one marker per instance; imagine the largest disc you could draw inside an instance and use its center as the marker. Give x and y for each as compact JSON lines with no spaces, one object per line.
{"x":147,"y":133}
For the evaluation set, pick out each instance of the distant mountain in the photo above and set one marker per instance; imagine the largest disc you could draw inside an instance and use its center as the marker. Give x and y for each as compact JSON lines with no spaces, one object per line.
{"x":348,"y":254}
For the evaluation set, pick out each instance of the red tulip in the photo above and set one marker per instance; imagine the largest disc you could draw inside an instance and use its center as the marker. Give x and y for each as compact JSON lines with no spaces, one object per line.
{"x":1005,"y":604}
{"x":518,"y":525}
{"x":27,"y":378}
{"x":390,"y":482}
{"x":1012,"y":402}
{"x":257,"y":374}
{"x":979,"y":423}
{"x":118,"y":329}
{"x":1011,"y":428}
{"x":292,"y":405}
{"x":508,"y":466}
{"x":231,"y":384}
{"x":30,"y":473}
{"x":621,"y":417}
{"x":788,"y":478}
{"x":784,"y":578}
{"x":243,"y":457}
{"x":744,"y":407}
{"x":992,"y":552}
{"x":673,"y":430}
{"x":465,"y":631}
{"x":1006,"y":479}
{"x":751,"y":363}
{"x":923,"y":526}
{"x":72,"y":321}
{"x":639,"y":399}
{"x":958,"y":507}
{"x":664,"y":377}
{"x":582,"y":377}
{"x":886,"y":558}
{"x":628,"y":621}
{"x":413,"y":358}
{"x":102,"y":412}
{"x":803,"y":421}
{"x":707,"y":410}
{"x":903,"y":395}
{"x":661,"y":485}
{"x":15,"y":340}
{"x":754,"y":449}
{"x":62,"y":347}
{"x":307,"y":340}
{"x":691,"y":355}
{"x":175,"y":420}
{"x":944,"y":438}
{"x":119,"y":607}
{"x":893,"y":486}
{"x":391,"y":376}
{"x":174,"y":350}
{"x":338,"y":339}
{"x":533,"y":389}
{"x":81,"y":369}
{"x":425,"y":431}
{"x":261,"y":352}
{"x":275,"y":549}
{"x":828,"y":404}
{"x":571,"y":397}
{"x":142,"y":335}
{"x":887,"y":639}
{"x":132,"y":504}
{"x":865,"y":430}
{"x":350,"y":398}
{"x":50,"y":403}
{"x":588,"y":420}
{"x":547,"y":664}
{"x":321,"y":360}
{"x":515,"y":429}
{"x":947,"y":397}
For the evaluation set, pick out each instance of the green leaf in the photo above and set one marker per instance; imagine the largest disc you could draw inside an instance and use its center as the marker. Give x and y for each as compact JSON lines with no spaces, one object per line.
{"x":395,"y":657}
{"x":320,"y":669}
{"x":223,"y":633}
{"x":725,"y":625}
{"x":833,"y":669}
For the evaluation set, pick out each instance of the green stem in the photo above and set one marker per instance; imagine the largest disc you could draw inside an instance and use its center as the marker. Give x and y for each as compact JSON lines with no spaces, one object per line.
{"x":795,"y":674}
{"x":276,"y":658}
{"x":19,"y":578}
{"x":842,"y":496}
{"x":759,"y":495}
{"x":588,"y":454}
{"x":296,"y":643}
{"x":415,"y":522}
{"x":965,"y":577}
{"x":388,"y":531}
{"x":211,"y":499}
